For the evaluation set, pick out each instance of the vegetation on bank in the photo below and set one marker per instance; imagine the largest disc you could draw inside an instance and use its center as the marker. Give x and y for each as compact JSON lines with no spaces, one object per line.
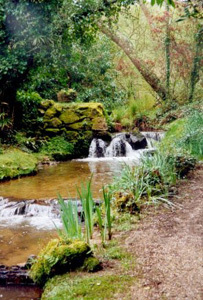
{"x":15,"y":163}
{"x":143,"y":65}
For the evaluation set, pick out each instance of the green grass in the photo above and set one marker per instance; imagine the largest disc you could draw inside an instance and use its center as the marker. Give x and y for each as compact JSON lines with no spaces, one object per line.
{"x":186,"y":135}
{"x":94,"y":287}
{"x":14,"y":163}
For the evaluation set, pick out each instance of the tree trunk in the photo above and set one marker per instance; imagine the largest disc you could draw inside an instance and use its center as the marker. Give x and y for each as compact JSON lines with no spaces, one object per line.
{"x":141,"y":66}
{"x":167,"y":53}
{"x":196,"y":63}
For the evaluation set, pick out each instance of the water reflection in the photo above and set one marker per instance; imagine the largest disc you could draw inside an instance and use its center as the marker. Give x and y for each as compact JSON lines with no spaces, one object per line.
{"x":62,"y":178}
{"x":20,"y":293}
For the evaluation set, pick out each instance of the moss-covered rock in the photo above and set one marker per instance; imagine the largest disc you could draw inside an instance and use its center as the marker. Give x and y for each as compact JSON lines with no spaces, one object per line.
{"x":66,"y":95}
{"x":125,"y":202}
{"x":45,"y":104}
{"x":91,"y":264}
{"x":99,"y":124}
{"x":69,"y":116}
{"x":59,"y":256}
{"x":55,"y":123}
{"x":14,"y":163}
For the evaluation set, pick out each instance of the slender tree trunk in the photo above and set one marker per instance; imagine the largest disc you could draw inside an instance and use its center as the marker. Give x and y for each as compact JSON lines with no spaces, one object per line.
{"x":167,"y":54}
{"x":196,"y":63}
{"x":141,"y":66}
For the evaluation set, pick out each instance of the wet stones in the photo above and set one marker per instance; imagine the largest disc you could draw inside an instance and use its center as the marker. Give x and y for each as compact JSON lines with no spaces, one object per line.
{"x":16,"y":275}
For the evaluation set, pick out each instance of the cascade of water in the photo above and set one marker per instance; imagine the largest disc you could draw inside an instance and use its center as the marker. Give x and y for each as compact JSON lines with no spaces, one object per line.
{"x":153,"y":137}
{"x":116,"y":148}
{"x":122,"y":145}
{"x":97,"y":148}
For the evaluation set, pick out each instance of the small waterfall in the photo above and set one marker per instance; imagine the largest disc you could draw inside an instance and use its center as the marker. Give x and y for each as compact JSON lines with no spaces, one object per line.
{"x":31,"y":212}
{"x":97,"y":148}
{"x":117,"y":148}
{"x":153,"y":137}
{"x":121,"y":145}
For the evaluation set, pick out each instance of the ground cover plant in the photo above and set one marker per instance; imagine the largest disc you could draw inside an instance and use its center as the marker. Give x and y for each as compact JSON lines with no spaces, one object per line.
{"x":15,"y":163}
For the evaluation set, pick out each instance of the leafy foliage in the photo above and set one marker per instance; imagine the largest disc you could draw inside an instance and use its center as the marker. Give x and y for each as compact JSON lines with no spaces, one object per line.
{"x":58,"y":147}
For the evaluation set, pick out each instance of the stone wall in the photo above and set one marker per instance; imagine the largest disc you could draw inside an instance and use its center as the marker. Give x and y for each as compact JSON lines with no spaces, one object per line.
{"x":79,"y":122}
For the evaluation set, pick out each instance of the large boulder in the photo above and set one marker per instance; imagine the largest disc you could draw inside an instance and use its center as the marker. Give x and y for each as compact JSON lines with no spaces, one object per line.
{"x":74,"y":117}
{"x":137,"y":141}
{"x":58,"y":257}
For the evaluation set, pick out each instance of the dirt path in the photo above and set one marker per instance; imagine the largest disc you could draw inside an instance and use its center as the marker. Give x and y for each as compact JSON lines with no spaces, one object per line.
{"x":168,"y":248}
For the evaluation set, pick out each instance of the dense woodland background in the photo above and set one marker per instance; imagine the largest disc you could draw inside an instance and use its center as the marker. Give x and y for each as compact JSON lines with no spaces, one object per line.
{"x":141,"y":60}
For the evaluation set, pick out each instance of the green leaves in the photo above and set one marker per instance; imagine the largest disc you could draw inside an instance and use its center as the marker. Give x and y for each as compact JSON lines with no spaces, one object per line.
{"x":69,"y":215}
{"x":160,"y":2}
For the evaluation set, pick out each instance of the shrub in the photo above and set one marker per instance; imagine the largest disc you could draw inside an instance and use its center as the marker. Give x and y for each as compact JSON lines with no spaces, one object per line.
{"x":58,"y":148}
{"x":28,"y":114}
{"x":186,"y":134}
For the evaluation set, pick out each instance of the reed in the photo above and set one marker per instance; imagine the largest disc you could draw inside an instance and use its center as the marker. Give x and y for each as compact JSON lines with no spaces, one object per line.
{"x":85,"y":195}
{"x":100,"y":223}
{"x":69,"y":215}
{"x":108,"y":219}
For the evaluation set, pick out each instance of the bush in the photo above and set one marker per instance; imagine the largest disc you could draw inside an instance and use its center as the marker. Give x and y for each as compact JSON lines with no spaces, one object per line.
{"x":58,"y":148}
{"x":186,"y":134}
{"x":28,"y":113}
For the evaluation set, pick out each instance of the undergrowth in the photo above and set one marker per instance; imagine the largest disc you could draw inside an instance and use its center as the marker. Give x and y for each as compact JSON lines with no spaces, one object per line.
{"x":14,"y":163}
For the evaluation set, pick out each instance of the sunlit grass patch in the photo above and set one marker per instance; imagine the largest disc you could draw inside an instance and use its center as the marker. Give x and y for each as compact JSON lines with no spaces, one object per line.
{"x":14,"y":163}
{"x":94,"y":287}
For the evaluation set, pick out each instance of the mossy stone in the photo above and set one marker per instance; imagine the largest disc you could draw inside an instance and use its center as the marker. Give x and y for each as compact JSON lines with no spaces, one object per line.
{"x":84,"y":125}
{"x":55,"y":122}
{"x":52,"y":130}
{"x":69,"y":116}
{"x":66,"y":95}
{"x":99,"y":124}
{"x":91,"y":109}
{"x":72,"y":135}
{"x":50,"y":113}
{"x":59,"y":256}
{"x":45,"y":104}
{"x":92,"y":264}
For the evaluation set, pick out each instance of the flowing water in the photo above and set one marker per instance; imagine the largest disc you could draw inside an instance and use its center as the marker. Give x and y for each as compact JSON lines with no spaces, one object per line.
{"x":22,"y":235}
{"x":62,"y":178}
{"x":26,"y":229}
{"x":19,"y":293}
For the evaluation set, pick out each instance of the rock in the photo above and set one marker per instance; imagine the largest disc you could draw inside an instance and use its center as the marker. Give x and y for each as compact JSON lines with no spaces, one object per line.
{"x":66,"y":95}
{"x":99,"y":124}
{"x":58,"y":257}
{"x":137,"y":141}
{"x":92,"y":264}
{"x":17,"y":275}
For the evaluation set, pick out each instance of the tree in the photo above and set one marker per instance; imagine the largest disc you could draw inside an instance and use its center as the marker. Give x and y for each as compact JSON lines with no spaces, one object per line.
{"x":26,"y":29}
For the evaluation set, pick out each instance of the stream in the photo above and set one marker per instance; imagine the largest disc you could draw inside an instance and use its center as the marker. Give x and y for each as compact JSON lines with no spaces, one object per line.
{"x":25,"y":230}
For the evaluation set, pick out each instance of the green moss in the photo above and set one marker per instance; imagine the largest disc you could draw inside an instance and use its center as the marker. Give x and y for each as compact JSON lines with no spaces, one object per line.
{"x":55,"y":122}
{"x":14,"y":163}
{"x":50,"y":113}
{"x":59,"y":256}
{"x":91,"y":264}
{"x":84,"y":125}
{"x":67,"y":95}
{"x":52,"y":131}
{"x":99,"y":124}
{"x":91,"y":110}
{"x":69,"y":116}
{"x":71,"y":135}
{"x":45,"y":104}
{"x":93,"y":287}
